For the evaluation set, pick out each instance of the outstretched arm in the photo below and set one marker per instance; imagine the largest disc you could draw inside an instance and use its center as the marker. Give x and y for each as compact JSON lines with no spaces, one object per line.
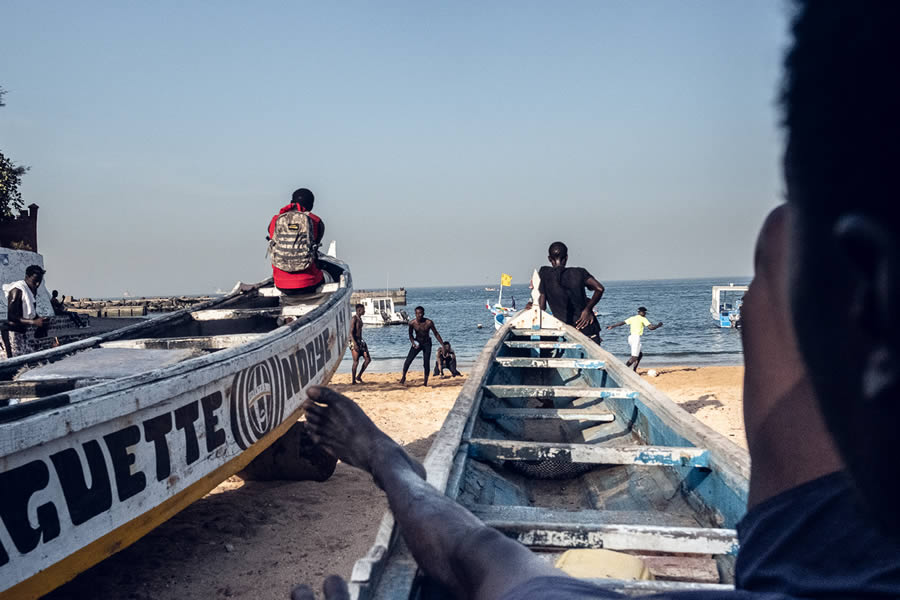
{"x":451,"y":544}
{"x":619,"y":324}
{"x":652,"y":327}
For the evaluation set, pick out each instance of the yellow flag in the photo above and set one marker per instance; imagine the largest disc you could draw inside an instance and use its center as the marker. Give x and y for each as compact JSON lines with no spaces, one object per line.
{"x":505,"y":279}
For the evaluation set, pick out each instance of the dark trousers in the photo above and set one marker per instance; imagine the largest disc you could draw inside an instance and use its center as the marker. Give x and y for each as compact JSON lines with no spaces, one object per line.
{"x":298,"y":296}
{"x":426,"y":356}
{"x":449,"y":363}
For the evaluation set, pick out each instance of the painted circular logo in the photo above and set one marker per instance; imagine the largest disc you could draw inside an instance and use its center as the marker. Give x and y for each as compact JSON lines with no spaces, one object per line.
{"x":257,"y":402}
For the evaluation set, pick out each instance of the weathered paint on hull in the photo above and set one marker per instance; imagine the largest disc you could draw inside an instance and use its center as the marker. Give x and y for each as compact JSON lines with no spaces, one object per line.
{"x":91,"y":478}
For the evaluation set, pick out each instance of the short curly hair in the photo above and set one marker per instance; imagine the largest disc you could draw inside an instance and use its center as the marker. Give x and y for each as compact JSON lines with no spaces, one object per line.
{"x":840,"y":102}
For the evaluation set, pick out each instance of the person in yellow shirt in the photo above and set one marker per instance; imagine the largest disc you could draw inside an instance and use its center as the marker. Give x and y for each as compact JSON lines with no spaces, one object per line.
{"x":637,"y":324}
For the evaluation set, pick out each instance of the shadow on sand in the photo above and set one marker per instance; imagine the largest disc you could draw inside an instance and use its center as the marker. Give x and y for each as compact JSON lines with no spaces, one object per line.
{"x":277,"y":517}
{"x":412,"y":382}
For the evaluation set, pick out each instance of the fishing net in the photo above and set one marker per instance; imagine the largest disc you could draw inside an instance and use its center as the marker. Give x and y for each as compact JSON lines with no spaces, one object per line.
{"x":551,"y":468}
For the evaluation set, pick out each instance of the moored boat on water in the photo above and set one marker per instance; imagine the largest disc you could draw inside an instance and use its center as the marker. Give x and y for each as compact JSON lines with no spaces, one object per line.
{"x":554,"y":442}
{"x":725,"y":307}
{"x":381,"y":312}
{"x":105,"y":438}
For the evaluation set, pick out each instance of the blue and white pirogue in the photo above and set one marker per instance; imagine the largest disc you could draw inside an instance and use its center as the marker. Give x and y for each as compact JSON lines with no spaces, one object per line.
{"x":114,"y":434}
{"x":545,"y":404}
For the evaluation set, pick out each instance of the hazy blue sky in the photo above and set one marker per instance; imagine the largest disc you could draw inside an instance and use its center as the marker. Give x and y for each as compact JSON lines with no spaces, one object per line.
{"x":445,"y":142}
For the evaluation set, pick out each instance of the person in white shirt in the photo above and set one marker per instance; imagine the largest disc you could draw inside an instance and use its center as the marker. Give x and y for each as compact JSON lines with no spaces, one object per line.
{"x":22,"y":319}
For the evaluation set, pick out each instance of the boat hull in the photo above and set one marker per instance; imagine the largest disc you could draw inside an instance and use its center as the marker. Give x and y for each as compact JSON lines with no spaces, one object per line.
{"x":106,"y":464}
{"x":642,"y":472}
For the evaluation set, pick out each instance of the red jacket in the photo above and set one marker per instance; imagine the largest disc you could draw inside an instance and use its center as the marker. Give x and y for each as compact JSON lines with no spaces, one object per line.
{"x":301,"y":279}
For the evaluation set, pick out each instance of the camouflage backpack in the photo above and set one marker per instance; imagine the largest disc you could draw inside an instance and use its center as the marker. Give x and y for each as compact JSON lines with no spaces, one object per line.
{"x":293,"y":247}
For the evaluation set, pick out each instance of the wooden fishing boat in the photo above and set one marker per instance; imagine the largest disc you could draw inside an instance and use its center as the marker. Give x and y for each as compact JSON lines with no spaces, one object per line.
{"x":117,"y":433}
{"x":554,"y":442}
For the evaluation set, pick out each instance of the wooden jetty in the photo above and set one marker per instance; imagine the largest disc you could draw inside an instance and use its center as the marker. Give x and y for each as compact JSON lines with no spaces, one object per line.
{"x":107,"y":437}
{"x":133,"y":307}
{"x":544,"y":404}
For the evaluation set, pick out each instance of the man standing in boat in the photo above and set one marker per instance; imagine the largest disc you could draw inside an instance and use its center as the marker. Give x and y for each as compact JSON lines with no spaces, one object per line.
{"x":357,"y":346}
{"x":563,"y":289}
{"x":294,"y":237}
{"x":22,"y":320}
{"x":637,"y":324}
{"x":421,"y":328}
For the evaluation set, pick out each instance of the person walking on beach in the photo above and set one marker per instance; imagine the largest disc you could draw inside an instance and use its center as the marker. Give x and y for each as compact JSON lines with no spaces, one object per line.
{"x":637,"y":324}
{"x":294,"y":237}
{"x":421,"y":328}
{"x":22,"y":320}
{"x":563,"y":289}
{"x":357,"y":346}
{"x":446,"y":359}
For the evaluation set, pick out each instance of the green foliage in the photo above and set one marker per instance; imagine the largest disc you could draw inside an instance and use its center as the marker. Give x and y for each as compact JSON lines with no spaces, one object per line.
{"x":10,"y":179}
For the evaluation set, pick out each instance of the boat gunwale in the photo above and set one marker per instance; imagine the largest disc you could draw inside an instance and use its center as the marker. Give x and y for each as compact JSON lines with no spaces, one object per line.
{"x":199,"y":369}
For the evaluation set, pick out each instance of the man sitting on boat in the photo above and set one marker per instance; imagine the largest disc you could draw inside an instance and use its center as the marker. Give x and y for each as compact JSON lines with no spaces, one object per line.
{"x":22,"y":320}
{"x":820,"y":412}
{"x":294,"y":237}
{"x":446,"y":359}
{"x":563,"y":289}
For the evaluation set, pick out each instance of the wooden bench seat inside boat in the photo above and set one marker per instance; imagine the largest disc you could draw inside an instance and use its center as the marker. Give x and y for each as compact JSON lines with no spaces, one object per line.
{"x":217,"y":314}
{"x":648,"y":531}
{"x":89,"y":367}
{"x":208,"y":342}
{"x":550,"y":363}
{"x":558,"y":391}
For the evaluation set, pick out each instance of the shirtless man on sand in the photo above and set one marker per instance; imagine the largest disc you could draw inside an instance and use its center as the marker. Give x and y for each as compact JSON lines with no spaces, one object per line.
{"x":357,"y":346}
{"x":421,"y":327}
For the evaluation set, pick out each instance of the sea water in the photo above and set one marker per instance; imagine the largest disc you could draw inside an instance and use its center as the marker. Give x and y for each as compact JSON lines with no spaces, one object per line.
{"x":689,"y":336}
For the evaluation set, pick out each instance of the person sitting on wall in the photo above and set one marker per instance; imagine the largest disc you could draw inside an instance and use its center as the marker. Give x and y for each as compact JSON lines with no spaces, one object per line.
{"x":59,"y":309}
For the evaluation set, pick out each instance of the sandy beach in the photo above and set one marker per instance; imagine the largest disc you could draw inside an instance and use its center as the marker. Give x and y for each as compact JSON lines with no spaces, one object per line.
{"x":256,"y":540}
